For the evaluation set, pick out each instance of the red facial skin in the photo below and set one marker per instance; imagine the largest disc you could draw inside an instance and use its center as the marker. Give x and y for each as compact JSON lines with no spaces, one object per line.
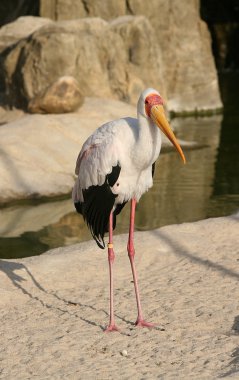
{"x":152,"y":100}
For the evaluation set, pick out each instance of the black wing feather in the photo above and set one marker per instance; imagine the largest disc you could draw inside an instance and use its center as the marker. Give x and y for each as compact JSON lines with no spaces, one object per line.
{"x":114,"y":175}
{"x":97,"y":206}
{"x":153,"y":169}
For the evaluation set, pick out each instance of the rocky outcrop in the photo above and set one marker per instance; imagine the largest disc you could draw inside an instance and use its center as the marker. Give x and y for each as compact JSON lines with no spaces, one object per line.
{"x":168,"y":48}
{"x":188,"y":64}
{"x":61,"y":96}
{"x":69,"y":9}
{"x":182,"y":39}
{"x":91,"y":50}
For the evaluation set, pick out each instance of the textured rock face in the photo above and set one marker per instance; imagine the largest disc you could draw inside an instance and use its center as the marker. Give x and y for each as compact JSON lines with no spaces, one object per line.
{"x":189,"y":68}
{"x":183,"y":40}
{"x":62,"y":96}
{"x":13,"y":32}
{"x":185,"y":45}
{"x":93,"y":51}
{"x":70,"y":9}
{"x":168,"y":48}
{"x":145,"y":66}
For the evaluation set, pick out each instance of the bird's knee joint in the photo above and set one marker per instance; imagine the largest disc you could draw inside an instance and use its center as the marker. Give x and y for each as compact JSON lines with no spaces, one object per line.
{"x":131,"y":250}
{"x":111,"y":254}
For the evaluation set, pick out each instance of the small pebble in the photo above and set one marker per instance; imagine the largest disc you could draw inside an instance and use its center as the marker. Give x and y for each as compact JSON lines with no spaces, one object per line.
{"x":124,"y":353}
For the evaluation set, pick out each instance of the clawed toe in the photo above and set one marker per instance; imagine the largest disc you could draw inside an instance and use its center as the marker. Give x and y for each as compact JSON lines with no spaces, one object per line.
{"x":111,"y":328}
{"x":143,"y":323}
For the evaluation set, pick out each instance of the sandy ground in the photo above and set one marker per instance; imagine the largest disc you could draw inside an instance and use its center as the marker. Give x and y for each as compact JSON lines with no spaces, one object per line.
{"x":54,"y":308}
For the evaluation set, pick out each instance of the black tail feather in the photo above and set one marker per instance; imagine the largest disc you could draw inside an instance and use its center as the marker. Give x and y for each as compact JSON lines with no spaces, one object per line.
{"x":96,"y":209}
{"x":97,"y":206}
{"x":78,"y":206}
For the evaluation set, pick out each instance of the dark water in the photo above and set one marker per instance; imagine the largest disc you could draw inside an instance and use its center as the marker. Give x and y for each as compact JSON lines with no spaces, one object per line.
{"x":208,"y":186}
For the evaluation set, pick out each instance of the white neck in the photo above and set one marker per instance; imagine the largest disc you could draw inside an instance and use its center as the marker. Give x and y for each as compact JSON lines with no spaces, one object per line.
{"x":149,"y":141}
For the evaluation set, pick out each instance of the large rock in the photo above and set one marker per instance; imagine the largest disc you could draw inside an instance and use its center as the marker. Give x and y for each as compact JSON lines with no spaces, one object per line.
{"x":59,"y":97}
{"x":91,"y":50}
{"x":143,"y":59}
{"x":120,"y":57}
{"x":190,"y":72}
{"x":69,"y":9}
{"x":183,"y":40}
{"x":11,"y":34}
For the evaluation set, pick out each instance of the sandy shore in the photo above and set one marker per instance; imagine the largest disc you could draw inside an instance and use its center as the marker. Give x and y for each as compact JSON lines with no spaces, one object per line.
{"x":55,"y":306}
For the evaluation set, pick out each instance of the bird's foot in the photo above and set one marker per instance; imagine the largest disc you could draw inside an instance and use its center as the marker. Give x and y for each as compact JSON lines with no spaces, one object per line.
{"x":142,"y":323}
{"x":112,"y":327}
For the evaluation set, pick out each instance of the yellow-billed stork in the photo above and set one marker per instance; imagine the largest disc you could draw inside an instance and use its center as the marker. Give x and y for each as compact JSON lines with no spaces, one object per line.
{"x":115,"y":165}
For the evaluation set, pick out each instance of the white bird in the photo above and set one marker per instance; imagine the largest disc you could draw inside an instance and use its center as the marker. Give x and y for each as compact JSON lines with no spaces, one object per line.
{"x":115,"y":165}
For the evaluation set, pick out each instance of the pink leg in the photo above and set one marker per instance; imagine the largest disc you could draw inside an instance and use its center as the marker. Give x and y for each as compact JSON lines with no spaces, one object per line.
{"x":111,"y":257}
{"x":131,"y":252}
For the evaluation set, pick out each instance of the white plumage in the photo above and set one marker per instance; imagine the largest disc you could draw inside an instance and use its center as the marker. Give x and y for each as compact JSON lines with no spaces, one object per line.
{"x":132,"y":143}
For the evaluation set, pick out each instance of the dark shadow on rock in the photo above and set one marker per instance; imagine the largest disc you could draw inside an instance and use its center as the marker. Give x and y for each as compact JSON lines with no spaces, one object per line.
{"x":233,"y":365}
{"x":235,"y":326}
{"x":181,"y":250}
{"x":9,"y":268}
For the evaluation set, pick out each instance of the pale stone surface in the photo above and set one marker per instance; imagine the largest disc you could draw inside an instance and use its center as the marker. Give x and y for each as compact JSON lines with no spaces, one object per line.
{"x":53,"y":308}
{"x":59,"y":97}
{"x":38,"y":152}
{"x":11,"y":33}
{"x":185,"y":43}
{"x":182,"y":38}
{"x":68,"y":9}
{"x":93,"y":51}
{"x":119,"y":58}
{"x":144,"y":56}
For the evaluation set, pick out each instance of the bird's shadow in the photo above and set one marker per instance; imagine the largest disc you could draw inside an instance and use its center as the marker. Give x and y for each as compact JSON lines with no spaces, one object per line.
{"x":11,"y":267}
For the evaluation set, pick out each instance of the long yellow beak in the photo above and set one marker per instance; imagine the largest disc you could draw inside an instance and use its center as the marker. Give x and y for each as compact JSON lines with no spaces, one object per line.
{"x":158,"y":116}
